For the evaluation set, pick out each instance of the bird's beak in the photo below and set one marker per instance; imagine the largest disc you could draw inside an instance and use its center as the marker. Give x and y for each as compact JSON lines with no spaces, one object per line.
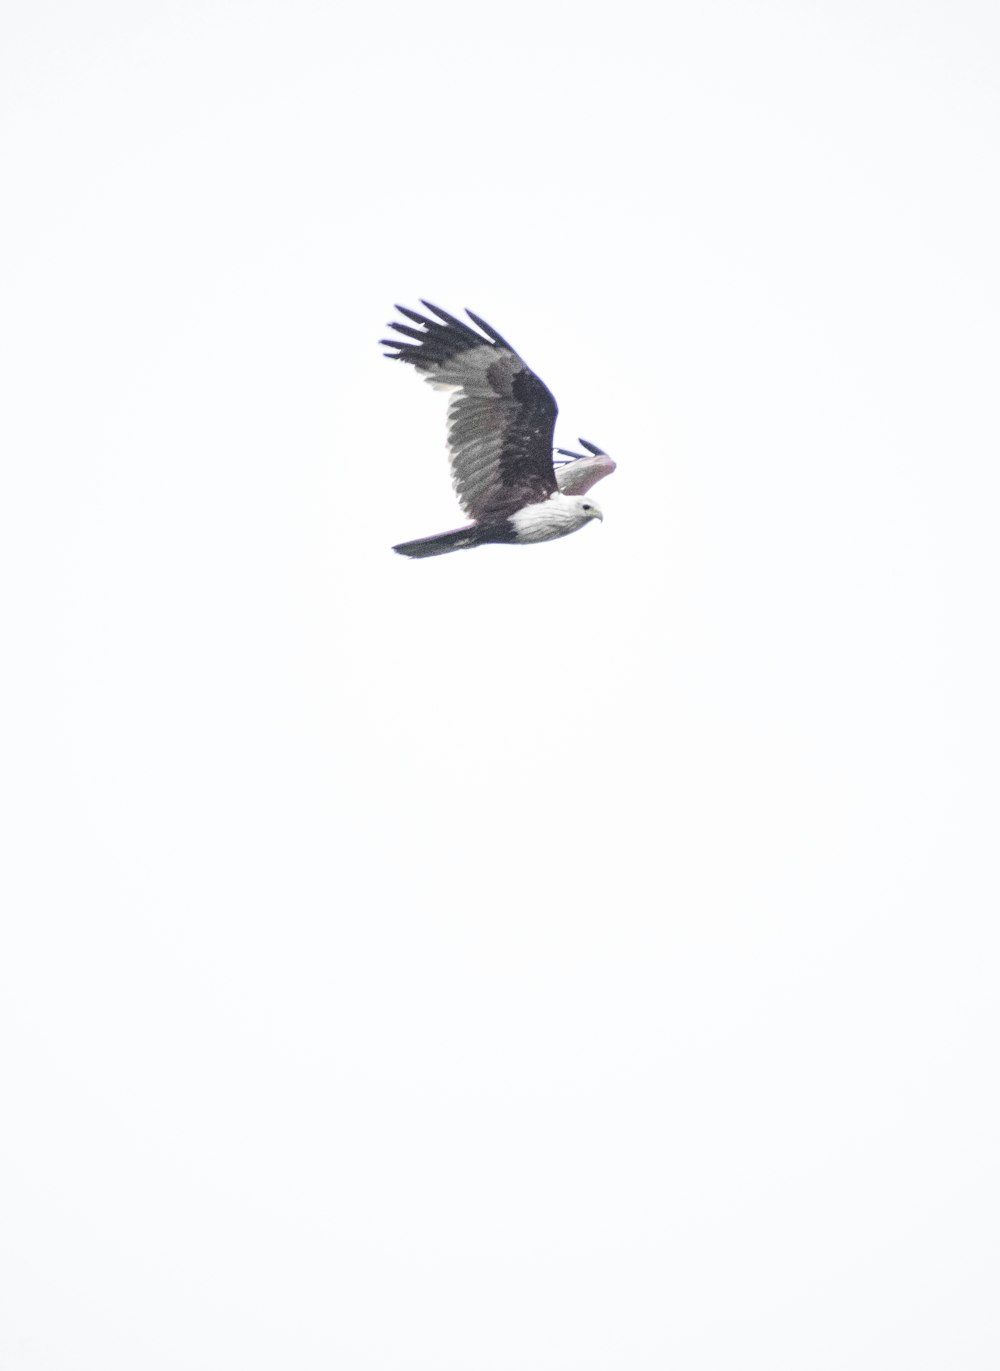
{"x":599,"y":514}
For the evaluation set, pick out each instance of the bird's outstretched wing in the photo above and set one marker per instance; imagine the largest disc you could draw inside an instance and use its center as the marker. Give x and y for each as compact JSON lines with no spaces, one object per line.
{"x":581,"y":471}
{"x":501,"y":417}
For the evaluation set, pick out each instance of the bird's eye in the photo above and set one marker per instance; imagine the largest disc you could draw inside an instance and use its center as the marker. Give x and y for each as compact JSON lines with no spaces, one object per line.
{"x":588,"y":507}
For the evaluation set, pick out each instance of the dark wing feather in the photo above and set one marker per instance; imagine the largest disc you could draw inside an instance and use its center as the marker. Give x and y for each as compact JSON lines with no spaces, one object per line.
{"x":501,"y":417}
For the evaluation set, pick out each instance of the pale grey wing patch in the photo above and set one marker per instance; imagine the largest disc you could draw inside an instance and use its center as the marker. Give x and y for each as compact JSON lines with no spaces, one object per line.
{"x":467,"y":370}
{"x":475,"y":448}
{"x":576,"y":478}
{"x":480,"y":414}
{"x":477,"y":416}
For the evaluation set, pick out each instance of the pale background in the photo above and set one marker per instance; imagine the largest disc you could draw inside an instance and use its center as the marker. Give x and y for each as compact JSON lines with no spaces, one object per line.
{"x":554,"y":959}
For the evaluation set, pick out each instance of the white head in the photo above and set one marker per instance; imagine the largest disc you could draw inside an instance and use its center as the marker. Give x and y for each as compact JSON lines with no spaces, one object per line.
{"x":589,"y":508}
{"x":571,"y":511}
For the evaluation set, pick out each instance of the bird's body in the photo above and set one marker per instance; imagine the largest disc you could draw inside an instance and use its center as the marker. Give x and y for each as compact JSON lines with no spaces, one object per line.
{"x":538,"y":523}
{"x":501,"y":420}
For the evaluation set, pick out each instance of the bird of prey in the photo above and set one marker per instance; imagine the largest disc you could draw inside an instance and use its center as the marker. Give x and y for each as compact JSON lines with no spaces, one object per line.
{"x":501,"y":420}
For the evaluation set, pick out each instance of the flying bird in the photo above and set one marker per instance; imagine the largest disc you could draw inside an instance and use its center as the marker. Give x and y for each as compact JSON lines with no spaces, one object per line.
{"x":501,"y":421}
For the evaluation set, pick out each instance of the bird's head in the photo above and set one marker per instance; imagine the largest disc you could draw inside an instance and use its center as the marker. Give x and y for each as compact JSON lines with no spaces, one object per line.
{"x":589,"y":508}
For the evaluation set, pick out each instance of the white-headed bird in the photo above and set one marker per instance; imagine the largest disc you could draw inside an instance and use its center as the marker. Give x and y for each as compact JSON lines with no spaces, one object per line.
{"x":501,"y":421}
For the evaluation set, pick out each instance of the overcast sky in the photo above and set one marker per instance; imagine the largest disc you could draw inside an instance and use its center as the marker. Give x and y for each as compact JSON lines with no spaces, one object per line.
{"x":581,"y":957}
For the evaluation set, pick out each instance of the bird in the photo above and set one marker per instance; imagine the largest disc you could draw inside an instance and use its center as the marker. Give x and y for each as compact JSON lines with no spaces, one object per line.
{"x":501,"y":421}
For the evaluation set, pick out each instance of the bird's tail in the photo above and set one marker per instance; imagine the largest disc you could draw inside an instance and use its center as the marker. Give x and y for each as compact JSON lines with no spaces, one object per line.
{"x":440,"y":542}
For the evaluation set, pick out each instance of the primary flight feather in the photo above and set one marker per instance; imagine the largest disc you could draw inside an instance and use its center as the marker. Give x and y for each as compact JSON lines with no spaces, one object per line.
{"x":501,"y":421}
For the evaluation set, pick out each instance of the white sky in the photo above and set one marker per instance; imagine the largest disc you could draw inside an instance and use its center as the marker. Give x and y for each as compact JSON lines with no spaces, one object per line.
{"x":572,"y":958}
